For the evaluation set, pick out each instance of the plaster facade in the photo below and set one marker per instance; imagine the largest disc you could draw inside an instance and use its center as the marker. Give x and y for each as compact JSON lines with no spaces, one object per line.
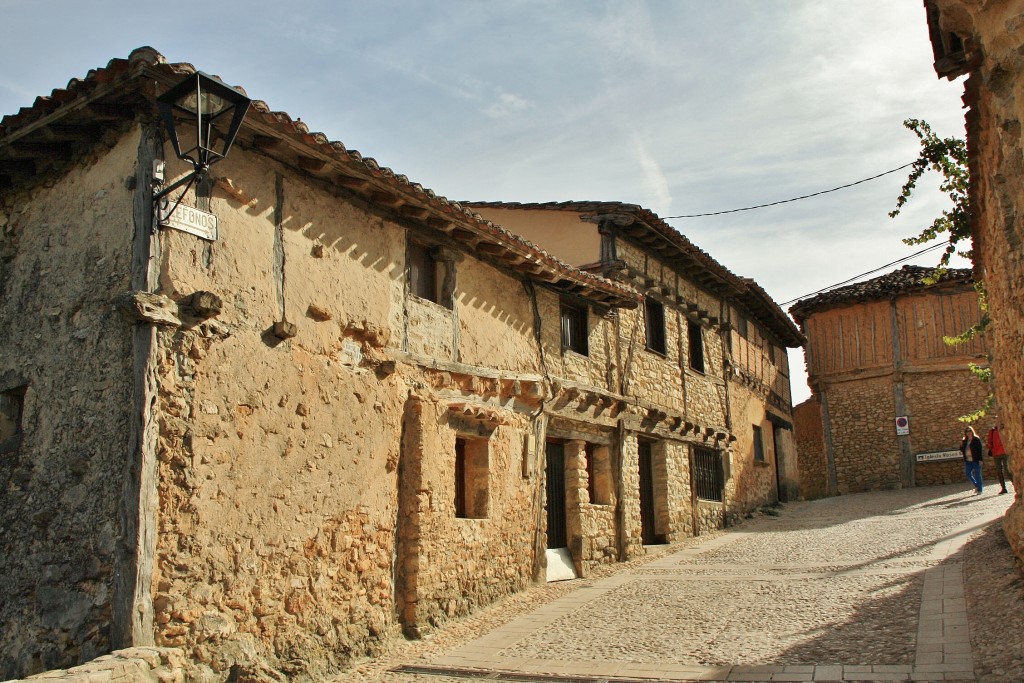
{"x":277,"y":449}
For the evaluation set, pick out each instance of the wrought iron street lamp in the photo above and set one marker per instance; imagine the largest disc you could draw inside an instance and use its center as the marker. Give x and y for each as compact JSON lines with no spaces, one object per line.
{"x":209,"y":105}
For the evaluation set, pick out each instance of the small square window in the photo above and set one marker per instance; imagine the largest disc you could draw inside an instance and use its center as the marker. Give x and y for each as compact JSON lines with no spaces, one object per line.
{"x":574,"y":328}
{"x":472,"y":489}
{"x":426,"y":275}
{"x":695,"y":338}
{"x":758,"y":444}
{"x":654,"y":324}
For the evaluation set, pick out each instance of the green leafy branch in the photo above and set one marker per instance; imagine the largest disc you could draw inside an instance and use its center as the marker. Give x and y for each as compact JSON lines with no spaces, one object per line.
{"x":948,"y":157}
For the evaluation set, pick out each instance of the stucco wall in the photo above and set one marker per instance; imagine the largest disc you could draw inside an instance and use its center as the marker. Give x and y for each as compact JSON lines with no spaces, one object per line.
{"x":65,"y":254}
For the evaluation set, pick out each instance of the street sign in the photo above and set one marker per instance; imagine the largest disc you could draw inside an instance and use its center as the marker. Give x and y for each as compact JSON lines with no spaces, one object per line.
{"x":193,"y":221}
{"x":938,"y":455}
{"x":902,"y":425}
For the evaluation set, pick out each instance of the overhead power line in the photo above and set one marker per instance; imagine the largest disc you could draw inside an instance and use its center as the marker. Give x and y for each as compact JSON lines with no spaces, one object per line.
{"x":794,"y":199}
{"x":870,"y":272}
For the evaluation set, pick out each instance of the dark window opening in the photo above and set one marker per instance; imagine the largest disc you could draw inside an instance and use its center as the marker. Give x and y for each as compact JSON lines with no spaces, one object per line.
{"x":654,"y":322}
{"x":460,"y":478}
{"x":574,"y":328}
{"x":708,"y":476}
{"x":12,"y":407}
{"x":427,"y":275}
{"x":758,"y":444}
{"x":696,"y":346}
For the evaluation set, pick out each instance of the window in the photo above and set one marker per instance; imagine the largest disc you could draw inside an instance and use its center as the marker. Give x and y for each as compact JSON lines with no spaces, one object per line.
{"x":707,"y":473}
{"x":758,"y":444}
{"x":427,"y":275}
{"x":12,"y":406}
{"x":654,"y":323}
{"x":696,"y":345}
{"x":472,"y":491}
{"x":574,"y":328}
{"x":741,"y":325}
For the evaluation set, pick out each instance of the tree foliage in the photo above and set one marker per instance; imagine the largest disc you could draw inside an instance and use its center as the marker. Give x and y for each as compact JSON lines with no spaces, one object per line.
{"x":948,"y":157}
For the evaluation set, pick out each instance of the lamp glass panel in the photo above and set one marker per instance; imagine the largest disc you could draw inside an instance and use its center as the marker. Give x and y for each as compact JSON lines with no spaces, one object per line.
{"x":209,"y":104}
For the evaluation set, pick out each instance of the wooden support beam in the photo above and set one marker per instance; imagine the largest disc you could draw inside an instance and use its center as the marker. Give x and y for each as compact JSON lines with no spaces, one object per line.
{"x":265,"y":142}
{"x":311,"y":165}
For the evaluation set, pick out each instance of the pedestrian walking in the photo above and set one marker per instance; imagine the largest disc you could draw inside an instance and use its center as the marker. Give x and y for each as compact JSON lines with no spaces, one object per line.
{"x":971,"y":448}
{"x":998,"y":454}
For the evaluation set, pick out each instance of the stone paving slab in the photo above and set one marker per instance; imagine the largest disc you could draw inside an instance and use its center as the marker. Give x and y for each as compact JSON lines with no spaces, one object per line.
{"x":871,"y":590}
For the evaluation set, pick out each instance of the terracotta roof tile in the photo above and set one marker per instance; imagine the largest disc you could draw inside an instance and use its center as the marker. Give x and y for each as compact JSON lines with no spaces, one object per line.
{"x":906,"y":279}
{"x":282,"y":124}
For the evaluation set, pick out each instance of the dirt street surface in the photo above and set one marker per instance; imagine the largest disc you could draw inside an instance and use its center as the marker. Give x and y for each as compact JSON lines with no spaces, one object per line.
{"x":910,"y":585}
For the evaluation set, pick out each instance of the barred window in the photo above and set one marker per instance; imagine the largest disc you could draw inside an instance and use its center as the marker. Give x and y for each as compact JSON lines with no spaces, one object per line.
{"x":758,"y":444}
{"x":708,"y":476}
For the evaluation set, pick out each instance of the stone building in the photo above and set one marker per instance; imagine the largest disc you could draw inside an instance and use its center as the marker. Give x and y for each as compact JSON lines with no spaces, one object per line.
{"x":356,"y":409}
{"x":985,"y":41}
{"x":875,"y":354}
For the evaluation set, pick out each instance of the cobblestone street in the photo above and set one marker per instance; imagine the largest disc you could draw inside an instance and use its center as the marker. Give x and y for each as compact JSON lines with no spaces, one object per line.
{"x":866,"y":587}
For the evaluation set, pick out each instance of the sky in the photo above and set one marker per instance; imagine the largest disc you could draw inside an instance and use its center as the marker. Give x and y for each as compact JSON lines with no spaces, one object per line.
{"x":681,"y":106}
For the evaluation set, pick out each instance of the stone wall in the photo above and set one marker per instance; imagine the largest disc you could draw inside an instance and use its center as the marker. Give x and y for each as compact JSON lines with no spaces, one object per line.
{"x":810,"y":444}
{"x":995,"y":94}
{"x":874,"y":361}
{"x":864,"y":443}
{"x":65,"y":256}
{"x":137,"y":664}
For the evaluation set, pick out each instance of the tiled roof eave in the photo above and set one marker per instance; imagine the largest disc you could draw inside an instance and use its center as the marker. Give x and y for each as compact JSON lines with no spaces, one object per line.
{"x":314,"y":154}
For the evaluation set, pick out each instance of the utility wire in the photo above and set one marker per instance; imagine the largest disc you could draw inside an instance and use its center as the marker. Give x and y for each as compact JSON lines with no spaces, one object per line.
{"x":794,"y":199}
{"x":870,"y":272}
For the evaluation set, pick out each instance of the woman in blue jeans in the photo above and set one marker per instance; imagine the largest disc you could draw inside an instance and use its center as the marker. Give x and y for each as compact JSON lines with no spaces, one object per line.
{"x":971,"y":448}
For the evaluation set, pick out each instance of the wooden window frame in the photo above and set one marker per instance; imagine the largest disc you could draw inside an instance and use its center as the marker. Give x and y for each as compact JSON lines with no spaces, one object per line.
{"x":471,"y":475}
{"x":695,"y":346}
{"x":654,"y":326}
{"x":759,"y":454}
{"x":574,"y":325}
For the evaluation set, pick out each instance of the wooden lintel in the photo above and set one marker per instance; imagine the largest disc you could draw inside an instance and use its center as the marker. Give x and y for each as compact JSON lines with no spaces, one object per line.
{"x":382,"y":197}
{"x":349,"y":181}
{"x":413,"y":211}
{"x":439,"y":223}
{"x":265,"y":142}
{"x":460,"y":234}
{"x":490,"y":248}
{"x":312,"y":165}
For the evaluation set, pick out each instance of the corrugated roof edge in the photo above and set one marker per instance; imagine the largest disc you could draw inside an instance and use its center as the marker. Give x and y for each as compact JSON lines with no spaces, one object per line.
{"x":146,"y":57}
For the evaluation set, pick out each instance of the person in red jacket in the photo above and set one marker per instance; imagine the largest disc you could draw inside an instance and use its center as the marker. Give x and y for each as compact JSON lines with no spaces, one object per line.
{"x":998,"y":453}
